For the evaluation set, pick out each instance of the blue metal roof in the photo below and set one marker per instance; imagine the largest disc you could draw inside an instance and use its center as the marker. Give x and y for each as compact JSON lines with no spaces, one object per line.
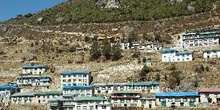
{"x":77,"y":87}
{"x":176,"y":94}
{"x":75,"y":72}
{"x":183,"y":53}
{"x":8,"y":87}
{"x":169,"y":50}
{"x":33,"y":67}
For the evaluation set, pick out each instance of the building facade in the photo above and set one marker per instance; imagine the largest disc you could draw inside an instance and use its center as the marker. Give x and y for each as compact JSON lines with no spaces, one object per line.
{"x":205,"y":37}
{"x":126,"y":99}
{"x":172,"y":55}
{"x":33,"y":80}
{"x":144,"y":87}
{"x":9,"y":89}
{"x":80,"y":103}
{"x":177,"y":99}
{"x":212,"y":53}
{"x":77,"y":91}
{"x":80,"y":78}
{"x":209,"y":96}
{"x":23,"y":98}
{"x":147,"y":102}
{"x":34,"y":70}
{"x":44,"y":96}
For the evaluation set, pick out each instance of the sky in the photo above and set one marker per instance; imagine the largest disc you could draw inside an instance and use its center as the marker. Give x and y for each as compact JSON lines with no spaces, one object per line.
{"x":11,"y":8}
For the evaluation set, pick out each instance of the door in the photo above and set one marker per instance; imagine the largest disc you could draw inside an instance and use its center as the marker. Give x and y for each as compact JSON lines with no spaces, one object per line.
{"x":181,"y":104}
{"x":163,"y":104}
{"x":191,"y":104}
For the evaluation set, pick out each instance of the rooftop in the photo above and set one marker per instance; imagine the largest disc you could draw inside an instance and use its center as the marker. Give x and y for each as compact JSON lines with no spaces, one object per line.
{"x":49,"y":93}
{"x":89,"y":99}
{"x":123,"y":84}
{"x":8,"y":87}
{"x":33,"y":76}
{"x":143,"y":83}
{"x":169,"y":50}
{"x":33,"y":67}
{"x":77,"y":87}
{"x":211,"y":50}
{"x":183,"y":53}
{"x":210,"y":90}
{"x":23,"y":94}
{"x":75,"y":72}
{"x":175,"y":94}
{"x":125,"y":92}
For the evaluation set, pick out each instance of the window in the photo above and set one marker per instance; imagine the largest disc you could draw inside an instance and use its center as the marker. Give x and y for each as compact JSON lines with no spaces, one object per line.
{"x":177,"y":100}
{"x":80,"y":79}
{"x":64,"y":80}
{"x":103,"y":107}
{"x":84,"y":75}
{"x":170,"y":100}
{"x":162,"y":99}
{"x":135,"y":100}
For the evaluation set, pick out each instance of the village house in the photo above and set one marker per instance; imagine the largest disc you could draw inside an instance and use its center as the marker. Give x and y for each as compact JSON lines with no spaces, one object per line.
{"x":10,"y":89}
{"x":33,"y":80}
{"x":35,"y":97}
{"x":172,"y":55}
{"x":177,"y":99}
{"x":209,"y":96}
{"x":44,"y":96}
{"x":23,"y":98}
{"x":148,"y":102}
{"x":77,"y":91}
{"x":204,"y":37}
{"x":126,"y":99}
{"x":77,"y":78}
{"x":212,"y":53}
{"x":80,"y":103}
{"x":88,"y":103}
{"x":55,"y":104}
{"x":34,"y":70}
{"x":4,"y":96}
{"x":144,"y":87}
{"x":124,"y":45}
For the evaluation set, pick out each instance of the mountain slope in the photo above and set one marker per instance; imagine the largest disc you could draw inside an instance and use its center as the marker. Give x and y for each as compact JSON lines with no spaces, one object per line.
{"x":76,"y":11}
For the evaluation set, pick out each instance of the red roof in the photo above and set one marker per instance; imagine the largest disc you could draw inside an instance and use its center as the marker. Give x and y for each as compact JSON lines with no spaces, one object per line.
{"x":209,"y":90}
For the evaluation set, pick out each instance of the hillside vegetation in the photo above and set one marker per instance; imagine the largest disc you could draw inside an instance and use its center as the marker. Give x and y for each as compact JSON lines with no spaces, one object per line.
{"x":77,"y":11}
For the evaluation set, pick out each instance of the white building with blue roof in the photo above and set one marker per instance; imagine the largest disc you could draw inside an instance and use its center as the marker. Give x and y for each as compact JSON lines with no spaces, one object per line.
{"x":172,"y":55}
{"x":34,"y":70}
{"x":177,"y":99}
{"x":204,"y":37}
{"x":75,"y":78}
{"x":11,"y":89}
{"x":33,"y":80}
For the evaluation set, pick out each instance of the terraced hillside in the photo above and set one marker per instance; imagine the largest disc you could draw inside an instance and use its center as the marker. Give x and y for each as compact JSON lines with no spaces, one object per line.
{"x":25,"y":44}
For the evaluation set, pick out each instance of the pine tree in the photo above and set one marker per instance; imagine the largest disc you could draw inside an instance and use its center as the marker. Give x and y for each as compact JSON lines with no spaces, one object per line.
{"x":95,"y":51}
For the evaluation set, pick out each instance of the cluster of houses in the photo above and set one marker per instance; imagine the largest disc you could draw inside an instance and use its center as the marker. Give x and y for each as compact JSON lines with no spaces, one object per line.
{"x":200,"y":38}
{"x":125,"y":45}
{"x":77,"y":93}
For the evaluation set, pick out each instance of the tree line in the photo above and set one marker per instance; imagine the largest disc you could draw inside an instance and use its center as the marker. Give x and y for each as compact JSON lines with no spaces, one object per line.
{"x":87,"y":11}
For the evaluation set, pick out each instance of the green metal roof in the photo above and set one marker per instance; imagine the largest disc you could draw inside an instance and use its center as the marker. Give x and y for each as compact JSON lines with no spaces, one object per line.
{"x":89,"y":98}
{"x":49,"y":93}
{"x":125,"y":92}
{"x":211,"y":50}
{"x":143,"y":83}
